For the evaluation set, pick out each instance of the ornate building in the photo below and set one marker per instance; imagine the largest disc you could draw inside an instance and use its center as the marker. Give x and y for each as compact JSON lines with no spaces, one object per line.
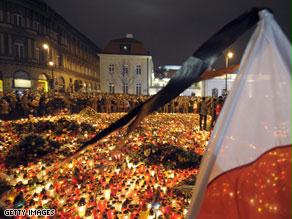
{"x":125,"y":67}
{"x":40,"y":49}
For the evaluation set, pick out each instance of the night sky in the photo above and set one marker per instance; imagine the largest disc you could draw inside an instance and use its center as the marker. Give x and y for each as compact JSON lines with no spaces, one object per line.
{"x":170,"y":29}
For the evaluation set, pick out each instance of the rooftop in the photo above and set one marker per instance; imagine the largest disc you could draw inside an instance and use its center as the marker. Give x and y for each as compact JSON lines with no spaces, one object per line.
{"x":125,"y":46}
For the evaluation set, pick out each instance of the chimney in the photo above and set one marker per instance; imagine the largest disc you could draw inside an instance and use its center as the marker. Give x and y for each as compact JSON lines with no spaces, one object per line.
{"x":129,"y":35}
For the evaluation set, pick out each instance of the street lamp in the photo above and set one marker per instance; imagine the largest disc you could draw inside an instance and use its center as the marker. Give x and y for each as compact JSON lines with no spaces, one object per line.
{"x":51,"y":64}
{"x":46,"y":46}
{"x":229,"y":55}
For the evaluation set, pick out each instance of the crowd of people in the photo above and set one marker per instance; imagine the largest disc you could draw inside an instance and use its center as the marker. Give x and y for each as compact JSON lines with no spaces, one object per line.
{"x":21,"y":104}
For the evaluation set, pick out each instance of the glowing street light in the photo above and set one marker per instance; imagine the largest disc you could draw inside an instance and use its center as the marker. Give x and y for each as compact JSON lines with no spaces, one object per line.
{"x":229,"y":55}
{"x":51,"y":63}
{"x":46,"y":46}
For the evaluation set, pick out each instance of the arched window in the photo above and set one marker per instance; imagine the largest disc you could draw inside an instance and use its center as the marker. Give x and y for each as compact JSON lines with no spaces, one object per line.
{"x":61,"y":84}
{"x":78,"y":85}
{"x":21,"y":79}
{"x":19,"y":49}
{"x":90,"y":87}
{"x":85,"y":87}
{"x":42,"y":83}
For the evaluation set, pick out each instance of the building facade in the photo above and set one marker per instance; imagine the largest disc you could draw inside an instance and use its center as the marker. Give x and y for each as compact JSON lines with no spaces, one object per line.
{"x":216,"y":86}
{"x":125,"y":67}
{"x":40,"y":49}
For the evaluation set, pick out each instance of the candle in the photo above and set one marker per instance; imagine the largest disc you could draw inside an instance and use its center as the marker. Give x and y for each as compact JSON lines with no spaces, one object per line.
{"x":70,"y":165}
{"x":81,"y":211}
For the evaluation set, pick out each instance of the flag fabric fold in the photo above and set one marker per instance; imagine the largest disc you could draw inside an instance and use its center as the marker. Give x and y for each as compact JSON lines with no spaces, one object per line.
{"x":247,"y":165}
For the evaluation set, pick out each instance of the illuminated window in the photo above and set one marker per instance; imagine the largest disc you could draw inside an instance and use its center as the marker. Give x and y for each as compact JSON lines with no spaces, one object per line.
{"x":21,"y":80}
{"x":111,"y":88}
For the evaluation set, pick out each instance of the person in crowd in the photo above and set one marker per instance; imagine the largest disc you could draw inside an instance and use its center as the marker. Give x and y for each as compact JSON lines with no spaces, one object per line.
{"x":34,"y":105}
{"x":42,"y":105}
{"x":4,"y":109}
{"x":195,"y":106}
{"x":213,"y":112}
{"x":107,"y":103}
{"x":219,"y":106}
{"x":202,"y":110}
{"x":38,"y":103}
{"x":25,"y":104}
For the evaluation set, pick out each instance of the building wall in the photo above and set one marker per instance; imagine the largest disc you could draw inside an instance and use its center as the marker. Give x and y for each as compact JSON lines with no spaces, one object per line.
{"x":116,"y":77}
{"x":203,"y":88}
{"x":32,"y":23}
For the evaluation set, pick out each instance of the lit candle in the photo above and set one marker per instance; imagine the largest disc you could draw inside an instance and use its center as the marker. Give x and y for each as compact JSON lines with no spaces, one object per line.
{"x":107,"y":193}
{"x":81,"y":211}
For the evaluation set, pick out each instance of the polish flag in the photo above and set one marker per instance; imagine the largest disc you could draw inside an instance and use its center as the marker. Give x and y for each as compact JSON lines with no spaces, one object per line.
{"x":246,"y":171}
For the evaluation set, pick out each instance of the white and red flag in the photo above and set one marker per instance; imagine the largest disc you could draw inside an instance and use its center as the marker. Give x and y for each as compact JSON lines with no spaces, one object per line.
{"x":246,"y":171}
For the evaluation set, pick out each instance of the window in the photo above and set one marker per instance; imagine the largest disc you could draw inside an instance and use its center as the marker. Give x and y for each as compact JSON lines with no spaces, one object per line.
{"x":60,"y":60}
{"x":18,"y":20}
{"x":125,"y":88}
{"x":37,"y":54}
{"x":125,"y":69}
{"x":214,"y":92}
{"x":37,"y":27}
{"x":19,"y":49}
{"x":111,"y":68}
{"x":21,"y":80}
{"x":138,"y":89}
{"x":111,"y":88}
{"x":138,"y":70}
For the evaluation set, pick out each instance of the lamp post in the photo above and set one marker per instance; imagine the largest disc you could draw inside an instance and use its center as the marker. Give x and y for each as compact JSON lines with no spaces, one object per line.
{"x":229,"y":55}
{"x":46,"y":47}
{"x":51,"y":64}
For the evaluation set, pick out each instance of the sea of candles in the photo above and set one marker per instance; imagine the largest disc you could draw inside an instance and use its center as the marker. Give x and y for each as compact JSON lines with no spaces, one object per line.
{"x":106,"y":179}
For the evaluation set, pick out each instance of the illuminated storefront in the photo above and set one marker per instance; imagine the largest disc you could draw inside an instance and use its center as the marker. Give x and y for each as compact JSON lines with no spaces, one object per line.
{"x":43,"y":83}
{"x":21,"y":80}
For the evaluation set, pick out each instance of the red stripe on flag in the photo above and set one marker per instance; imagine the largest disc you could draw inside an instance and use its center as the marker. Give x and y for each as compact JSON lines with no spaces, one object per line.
{"x":261,"y":189}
